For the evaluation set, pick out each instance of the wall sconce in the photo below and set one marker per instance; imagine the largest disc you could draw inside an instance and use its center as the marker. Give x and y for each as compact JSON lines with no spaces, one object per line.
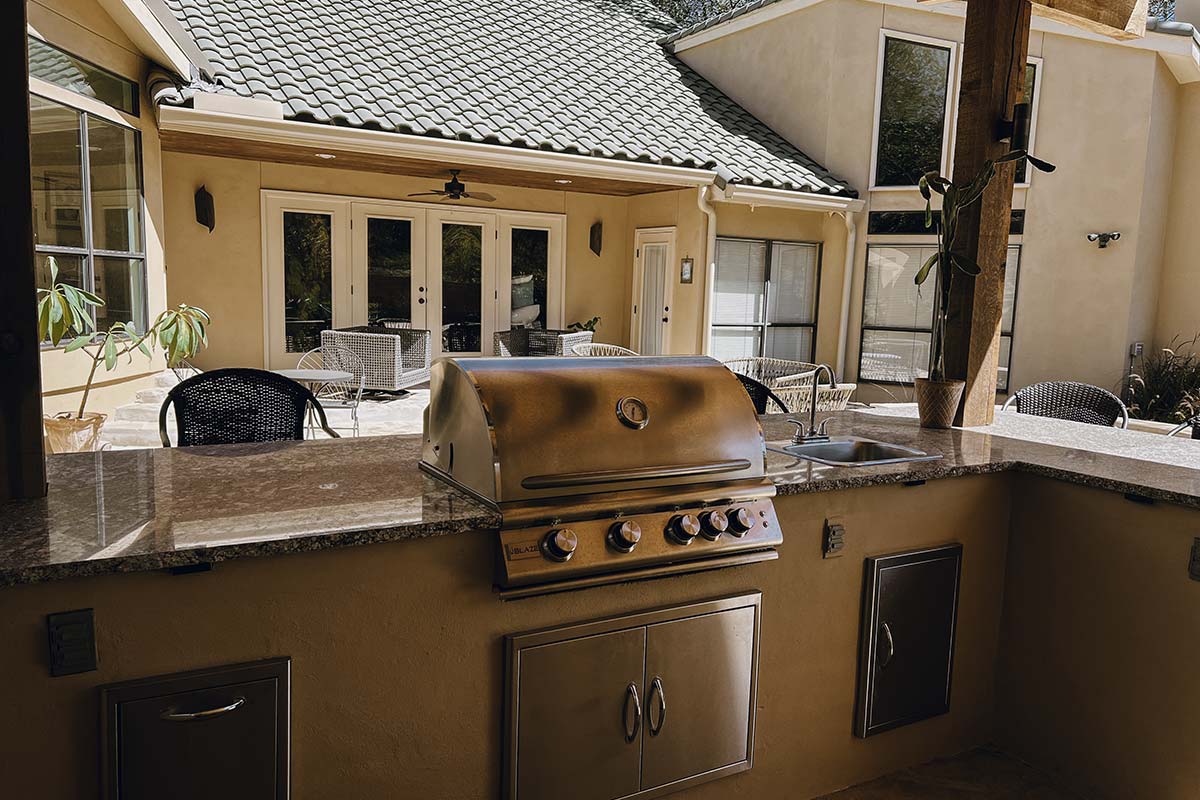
{"x":206,"y":213}
{"x":595,"y":235}
{"x":1104,"y":238}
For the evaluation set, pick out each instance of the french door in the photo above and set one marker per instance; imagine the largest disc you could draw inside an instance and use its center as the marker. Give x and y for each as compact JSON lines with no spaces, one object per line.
{"x":463,"y":274}
{"x":653,"y":290}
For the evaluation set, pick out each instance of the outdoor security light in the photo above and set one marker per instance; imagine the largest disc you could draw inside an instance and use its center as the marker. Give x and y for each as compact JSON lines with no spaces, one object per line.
{"x":1104,"y":238}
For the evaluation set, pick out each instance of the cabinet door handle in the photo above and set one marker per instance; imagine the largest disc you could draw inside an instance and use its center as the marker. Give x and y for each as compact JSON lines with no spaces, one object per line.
{"x":891,"y":644}
{"x":656,"y":691}
{"x":631,"y":693}
{"x":171,"y":715}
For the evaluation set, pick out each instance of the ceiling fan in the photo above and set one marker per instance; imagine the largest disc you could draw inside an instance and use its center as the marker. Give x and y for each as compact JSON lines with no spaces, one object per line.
{"x":454,"y":189}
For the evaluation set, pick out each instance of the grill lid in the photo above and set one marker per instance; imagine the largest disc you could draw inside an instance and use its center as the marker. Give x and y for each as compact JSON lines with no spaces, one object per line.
{"x":520,"y":429}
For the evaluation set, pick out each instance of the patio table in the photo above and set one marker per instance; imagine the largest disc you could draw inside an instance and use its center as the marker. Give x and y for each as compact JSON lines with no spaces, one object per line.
{"x":310,"y":377}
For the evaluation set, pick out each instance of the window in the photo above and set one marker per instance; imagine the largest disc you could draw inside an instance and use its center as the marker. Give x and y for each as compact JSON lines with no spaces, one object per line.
{"x":87,"y":196}
{"x":52,"y":65}
{"x":912,"y":127}
{"x":765,"y":299}
{"x":897,"y":327}
{"x":913,"y":223}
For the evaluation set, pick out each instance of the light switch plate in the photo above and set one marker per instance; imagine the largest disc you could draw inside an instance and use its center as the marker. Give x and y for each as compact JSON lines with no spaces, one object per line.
{"x":72,"y":642}
{"x":833,"y":539}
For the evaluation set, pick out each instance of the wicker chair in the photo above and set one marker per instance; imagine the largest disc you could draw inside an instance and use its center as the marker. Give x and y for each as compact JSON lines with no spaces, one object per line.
{"x":530,"y":342}
{"x":797,"y":392}
{"x":768,"y":371}
{"x":337,"y":394}
{"x":239,"y":406}
{"x":591,"y":349}
{"x":1077,"y":402}
{"x":765,"y":401}
{"x":393,"y":358}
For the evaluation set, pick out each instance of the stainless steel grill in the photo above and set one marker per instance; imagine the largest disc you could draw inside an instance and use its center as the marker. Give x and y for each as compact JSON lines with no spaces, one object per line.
{"x":604,"y":469}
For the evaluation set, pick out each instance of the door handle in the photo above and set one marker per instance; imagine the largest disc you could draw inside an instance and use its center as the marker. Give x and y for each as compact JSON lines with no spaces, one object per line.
{"x":171,"y":715}
{"x":666,"y":320}
{"x":421,"y":301}
{"x":891,"y":644}
{"x":631,"y":732}
{"x":656,"y":691}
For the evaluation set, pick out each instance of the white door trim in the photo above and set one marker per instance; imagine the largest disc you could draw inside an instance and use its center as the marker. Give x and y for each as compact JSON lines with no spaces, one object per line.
{"x":641,"y":238}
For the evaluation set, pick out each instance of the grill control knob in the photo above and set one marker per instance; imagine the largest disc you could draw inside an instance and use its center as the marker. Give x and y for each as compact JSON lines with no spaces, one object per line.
{"x":559,"y":545}
{"x":713,"y":524}
{"x":740,"y":521}
{"x":624,"y":536}
{"x":683,"y":528}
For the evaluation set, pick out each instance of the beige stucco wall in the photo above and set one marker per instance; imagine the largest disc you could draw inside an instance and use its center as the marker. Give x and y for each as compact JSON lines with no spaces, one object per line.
{"x":1106,"y":118}
{"x":83,"y":28}
{"x":1179,"y":292}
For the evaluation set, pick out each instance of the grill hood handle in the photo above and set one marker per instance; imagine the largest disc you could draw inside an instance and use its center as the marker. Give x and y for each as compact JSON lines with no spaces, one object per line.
{"x":564,"y":480}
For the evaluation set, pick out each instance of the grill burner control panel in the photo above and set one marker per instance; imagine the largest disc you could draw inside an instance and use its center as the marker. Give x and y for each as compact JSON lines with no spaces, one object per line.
{"x":621,"y":543}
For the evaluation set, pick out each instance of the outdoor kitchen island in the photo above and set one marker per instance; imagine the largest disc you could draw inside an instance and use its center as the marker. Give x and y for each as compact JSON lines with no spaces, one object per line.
{"x":1074,"y":645}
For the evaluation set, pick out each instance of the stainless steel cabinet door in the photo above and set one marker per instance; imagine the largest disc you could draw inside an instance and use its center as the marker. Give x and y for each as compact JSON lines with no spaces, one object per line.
{"x":699,"y":690}
{"x":578,"y":717}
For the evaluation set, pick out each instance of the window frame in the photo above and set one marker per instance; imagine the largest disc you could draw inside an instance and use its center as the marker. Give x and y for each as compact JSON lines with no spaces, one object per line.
{"x":926,"y":242}
{"x":87,"y":107}
{"x":766,"y":296}
{"x":953,"y":76}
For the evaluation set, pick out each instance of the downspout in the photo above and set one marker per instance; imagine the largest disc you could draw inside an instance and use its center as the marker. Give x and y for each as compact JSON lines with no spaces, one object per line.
{"x":710,"y":264}
{"x":849,"y":217}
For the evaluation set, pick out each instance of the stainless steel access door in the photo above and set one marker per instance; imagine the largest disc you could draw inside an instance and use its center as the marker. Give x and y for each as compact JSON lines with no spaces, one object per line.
{"x":579,"y":717}
{"x":699,"y":690}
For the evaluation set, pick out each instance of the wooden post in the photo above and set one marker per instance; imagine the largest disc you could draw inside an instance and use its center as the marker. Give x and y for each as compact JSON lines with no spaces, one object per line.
{"x":22,"y":462}
{"x":994,"y":54}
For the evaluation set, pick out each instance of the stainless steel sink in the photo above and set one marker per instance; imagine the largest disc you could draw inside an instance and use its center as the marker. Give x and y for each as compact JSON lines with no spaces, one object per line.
{"x":851,"y":451}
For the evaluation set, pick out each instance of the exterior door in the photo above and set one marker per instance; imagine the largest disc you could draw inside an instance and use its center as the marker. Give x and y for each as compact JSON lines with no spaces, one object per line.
{"x":461,"y":249}
{"x":653,"y":289}
{"x":574,"y":718}
{"x":699,"y":690}
{"x":308,"y":275}
{"x":389,"y":279}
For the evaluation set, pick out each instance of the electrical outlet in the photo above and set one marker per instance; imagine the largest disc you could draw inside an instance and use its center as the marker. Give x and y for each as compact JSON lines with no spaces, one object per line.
{"x":833,"y":539}
{"x":1136,"y":349}
{"x":72,"y":642}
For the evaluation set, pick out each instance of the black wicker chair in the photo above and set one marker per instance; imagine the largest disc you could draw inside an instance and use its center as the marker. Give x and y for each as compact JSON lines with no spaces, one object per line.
{"x":1077,"y":402}
{"x":239,"y":406}
{"x":761,"y":395}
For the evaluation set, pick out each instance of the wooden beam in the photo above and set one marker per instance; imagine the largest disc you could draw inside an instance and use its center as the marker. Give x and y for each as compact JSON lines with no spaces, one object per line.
{"x":22,"y":462}
{"x":1117,"y":19}
{"x":995,"y":49}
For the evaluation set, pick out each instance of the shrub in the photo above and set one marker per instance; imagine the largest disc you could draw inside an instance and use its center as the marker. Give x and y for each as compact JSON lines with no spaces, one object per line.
{"x":1166,"y":385}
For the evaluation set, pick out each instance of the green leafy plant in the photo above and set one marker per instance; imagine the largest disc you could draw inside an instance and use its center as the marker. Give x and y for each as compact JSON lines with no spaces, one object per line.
{"x":1166,"y":384}
{"x":947,"y":259}
{"x":65,"y":311}
{"x":590,"y":325}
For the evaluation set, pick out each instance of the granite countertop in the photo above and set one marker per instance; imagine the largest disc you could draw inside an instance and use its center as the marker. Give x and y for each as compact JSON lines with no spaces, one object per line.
{"x":1133,"y":462}
{"x":137,"y":510}
{"x":141,"y":510}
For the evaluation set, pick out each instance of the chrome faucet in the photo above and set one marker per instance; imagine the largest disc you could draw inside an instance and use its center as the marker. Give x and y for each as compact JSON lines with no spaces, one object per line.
{"x":812,"y":432}
{"x":1193,"y":421}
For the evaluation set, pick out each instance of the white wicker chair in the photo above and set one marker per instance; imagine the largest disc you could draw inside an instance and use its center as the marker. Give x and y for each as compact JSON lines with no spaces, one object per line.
{"x":337,"y":394}
{"x":393,"y":358}
{"x":796,"y":392}
{"x":598,"y":349}
{"x":768,"y":371}
{"x":531,"y":342}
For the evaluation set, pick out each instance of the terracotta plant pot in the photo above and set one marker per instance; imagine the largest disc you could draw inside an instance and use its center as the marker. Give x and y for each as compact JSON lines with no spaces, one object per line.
{"x":69,"y":434}
{"x":937,"y":401}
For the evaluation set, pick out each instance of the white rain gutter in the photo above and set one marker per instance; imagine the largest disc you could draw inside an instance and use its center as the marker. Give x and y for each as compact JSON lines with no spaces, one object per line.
{"x":851,"y":220}
{"x":710,"y":265}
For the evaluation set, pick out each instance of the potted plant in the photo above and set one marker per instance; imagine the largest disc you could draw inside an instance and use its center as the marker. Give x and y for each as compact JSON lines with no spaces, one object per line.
{"x":65,"y":311}
{"x":937,"y":397}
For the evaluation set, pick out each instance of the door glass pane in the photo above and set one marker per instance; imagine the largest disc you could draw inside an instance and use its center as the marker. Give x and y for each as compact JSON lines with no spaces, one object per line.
{"x":462,"y":288}
{"x":56,"y":153}
{"x":1012,"y":267}
{"x":116,"y":187}
{"x":740,"y":282}
{"x":793,"y":293}
{"x":730,"y":343}
{"x":894,"y":357}
{"x":892,"y":299}
{"x":1027,"y":97}
{"x":389,"y":269}
{"x":912,"y":111}
{"x":792,"y":343}
{"x":122,"y":284}
{"x":530,"y":266}
{"x":307,"y":278}
{"x":653,"y":293}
